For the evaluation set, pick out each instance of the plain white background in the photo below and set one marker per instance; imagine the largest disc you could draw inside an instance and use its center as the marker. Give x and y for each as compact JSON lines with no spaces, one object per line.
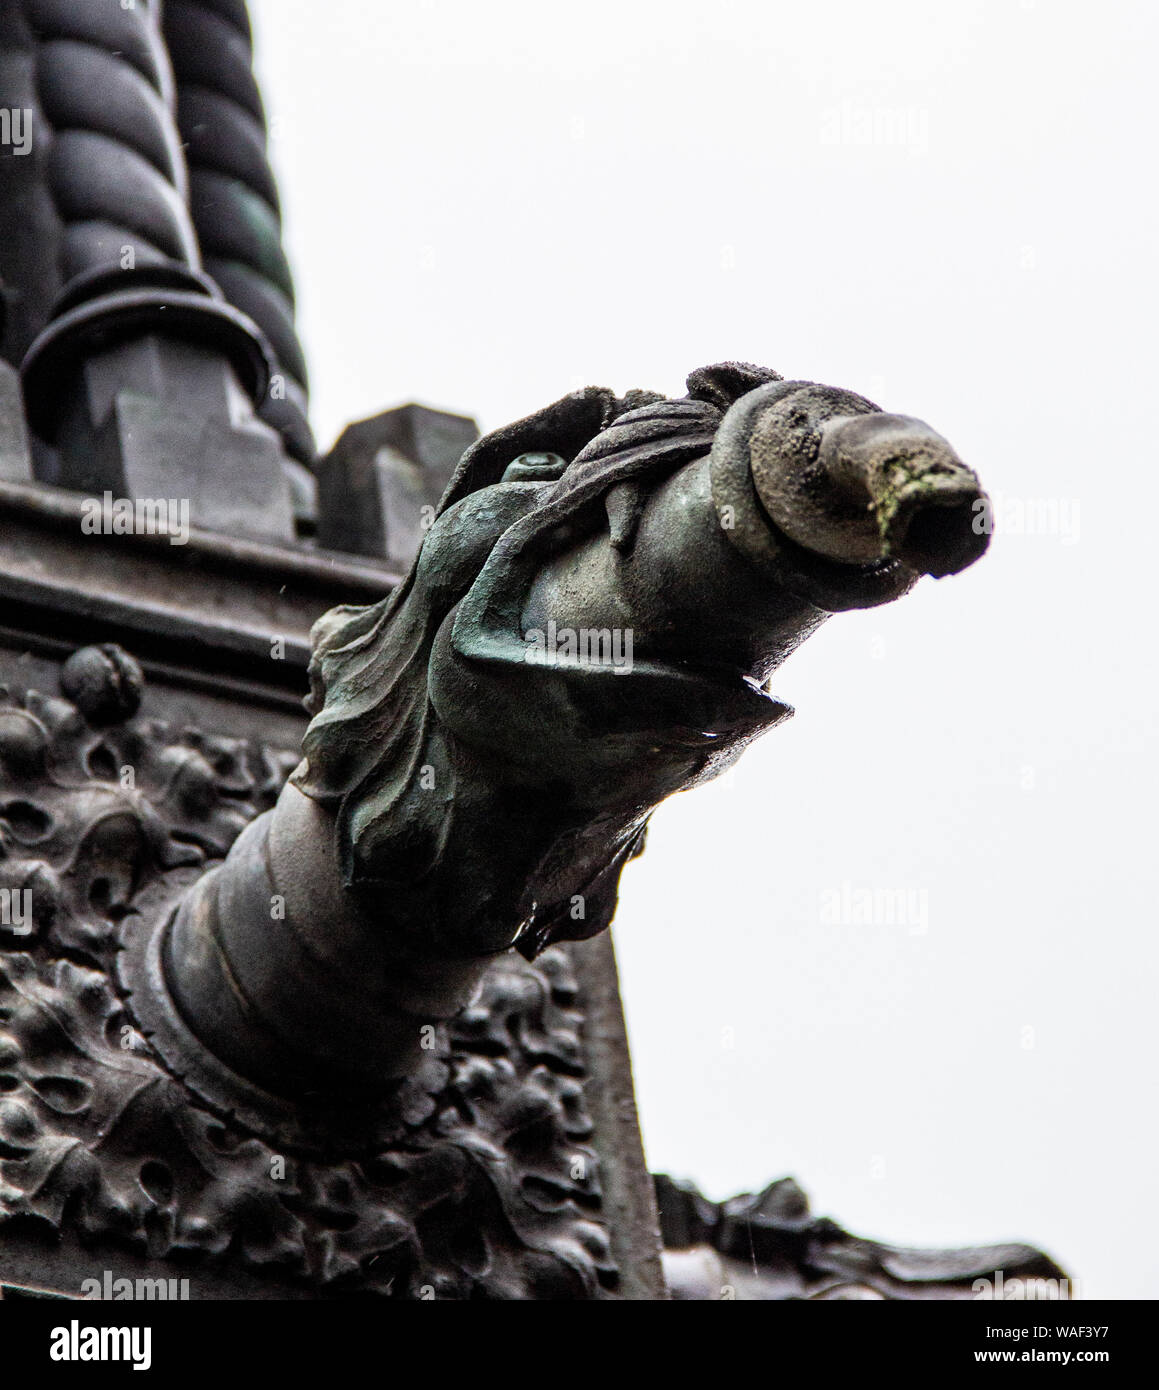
{"x":948,"y":208}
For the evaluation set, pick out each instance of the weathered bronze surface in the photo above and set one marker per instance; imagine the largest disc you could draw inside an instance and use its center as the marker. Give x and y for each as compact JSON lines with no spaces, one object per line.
{"x":480,"y":1174}
{"x":320,"y":1009}
{"x":591,"y":624}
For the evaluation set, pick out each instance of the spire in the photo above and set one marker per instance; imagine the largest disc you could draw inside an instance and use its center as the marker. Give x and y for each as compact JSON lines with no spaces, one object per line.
{"x":232,"y":193}
{"x":142,"y":375}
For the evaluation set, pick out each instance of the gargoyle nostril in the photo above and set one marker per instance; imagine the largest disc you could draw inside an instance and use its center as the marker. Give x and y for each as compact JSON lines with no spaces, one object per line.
{"x":942,"y":538}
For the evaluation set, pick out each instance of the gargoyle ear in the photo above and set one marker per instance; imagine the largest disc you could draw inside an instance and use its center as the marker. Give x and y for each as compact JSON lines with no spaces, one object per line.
{"x":563,"y":427}
{"x":726,"y":382}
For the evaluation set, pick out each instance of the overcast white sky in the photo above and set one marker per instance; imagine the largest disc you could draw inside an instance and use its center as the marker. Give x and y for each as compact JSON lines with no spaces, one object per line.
{"x":949,"y":208}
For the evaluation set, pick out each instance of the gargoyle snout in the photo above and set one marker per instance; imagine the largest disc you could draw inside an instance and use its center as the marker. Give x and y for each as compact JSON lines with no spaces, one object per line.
{"x":877,"y":487}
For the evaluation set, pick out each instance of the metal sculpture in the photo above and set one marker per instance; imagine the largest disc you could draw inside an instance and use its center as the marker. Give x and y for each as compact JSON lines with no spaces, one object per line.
{"x":315,"y":1009}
